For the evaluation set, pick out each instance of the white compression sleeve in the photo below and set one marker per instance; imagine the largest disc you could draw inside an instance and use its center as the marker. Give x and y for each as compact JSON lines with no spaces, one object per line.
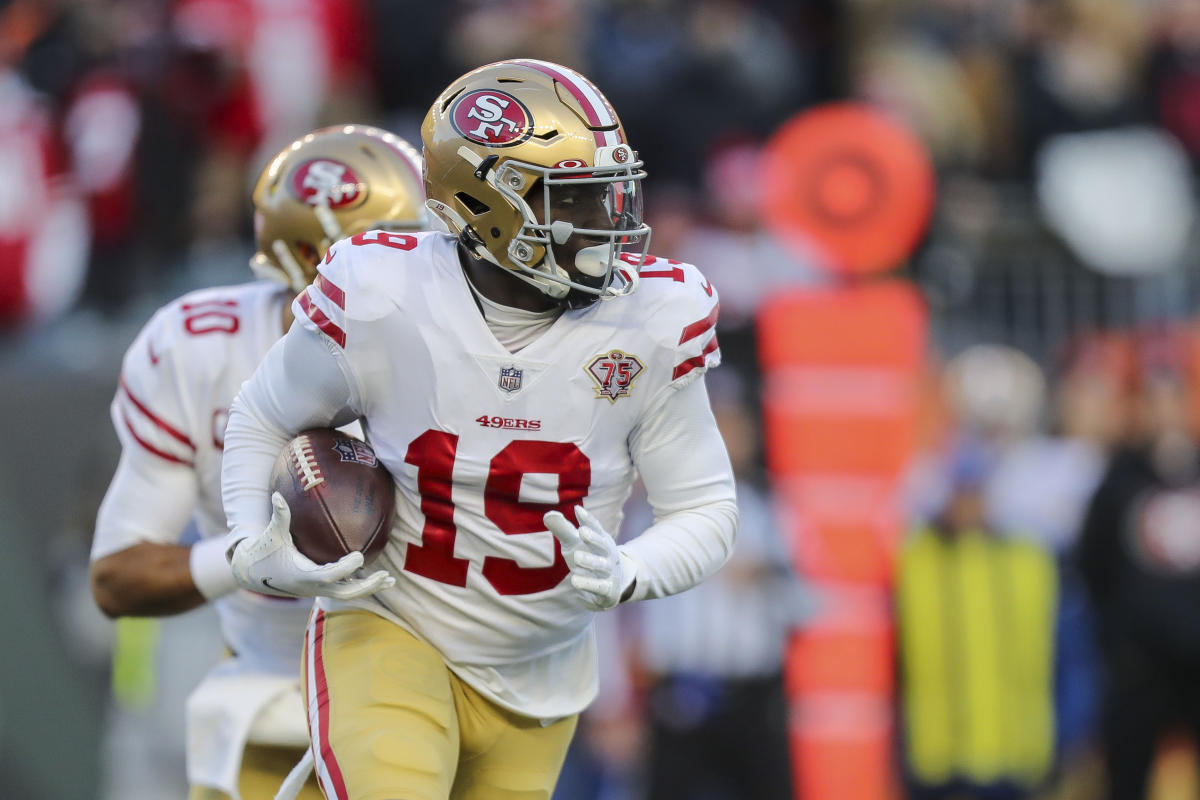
{"x":298,"y":385}
{"x":690,"y":486}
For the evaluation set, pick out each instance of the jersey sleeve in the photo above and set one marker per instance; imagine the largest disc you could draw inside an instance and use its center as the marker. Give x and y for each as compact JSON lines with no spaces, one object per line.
{"x":150,"y":410}
{"x":147,"y":501}
{"x":346,"y":295}
{"x":299,"y":384}
{"x":154,"y":488}
{"x":681,"y":457}
{"x":694,"y":333}
{"x":677,"y":308}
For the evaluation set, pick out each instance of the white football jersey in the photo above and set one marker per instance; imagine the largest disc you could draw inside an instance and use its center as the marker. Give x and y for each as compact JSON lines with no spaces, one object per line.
{"x":483,"y":442}
{"x":178,"y":379}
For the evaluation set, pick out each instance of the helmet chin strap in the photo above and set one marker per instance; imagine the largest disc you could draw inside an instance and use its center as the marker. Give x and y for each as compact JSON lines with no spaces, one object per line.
{"x":473,"y":243}
{"x":265,"y":269}
{"x":289,"y":272}
{"x":329,"y":224}
{"x":295,"y":273}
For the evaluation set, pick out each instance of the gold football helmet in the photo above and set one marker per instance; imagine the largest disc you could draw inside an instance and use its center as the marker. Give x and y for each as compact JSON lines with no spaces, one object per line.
{"x":333,"y":183}
{"x":528,"y":163}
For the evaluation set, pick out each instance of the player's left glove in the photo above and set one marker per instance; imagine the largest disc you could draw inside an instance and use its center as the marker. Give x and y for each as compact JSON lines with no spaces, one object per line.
{"x":599,"y":572}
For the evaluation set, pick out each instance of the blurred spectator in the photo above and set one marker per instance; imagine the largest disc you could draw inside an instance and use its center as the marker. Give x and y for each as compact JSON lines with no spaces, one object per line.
{"x":1174,"y":73}
{"x":1042,"y":484}
{"x":928,"y":90}
{"x":1140,"y":557}
{"x":716,"y":708}
{"x":688,"y":74}
{"x":989,"y":392}
{"x":551,"y":30}
{"x":43,"y":227}
{"x":1079,"y":68}
{"x":102,"y":128}
{"x":976,"y":615}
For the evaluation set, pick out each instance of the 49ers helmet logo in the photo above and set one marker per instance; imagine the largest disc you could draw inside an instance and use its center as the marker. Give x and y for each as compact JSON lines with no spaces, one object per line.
{"x":496,"y":119}
{"x":329,"y":181}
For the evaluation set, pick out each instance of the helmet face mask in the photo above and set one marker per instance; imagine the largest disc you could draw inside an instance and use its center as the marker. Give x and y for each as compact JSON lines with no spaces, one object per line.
{"x":528,"y":163}
{"x":581,"y":220}
{"x":332,"y":183}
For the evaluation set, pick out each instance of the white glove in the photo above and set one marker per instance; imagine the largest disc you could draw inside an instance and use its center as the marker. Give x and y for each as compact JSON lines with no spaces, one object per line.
{"x":598,"y":570}
{"x":270,"y":563}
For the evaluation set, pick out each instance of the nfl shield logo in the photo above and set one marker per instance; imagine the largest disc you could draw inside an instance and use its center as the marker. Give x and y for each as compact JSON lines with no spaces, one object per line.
{"x":510,"y":379}
{"x":354,"y":451}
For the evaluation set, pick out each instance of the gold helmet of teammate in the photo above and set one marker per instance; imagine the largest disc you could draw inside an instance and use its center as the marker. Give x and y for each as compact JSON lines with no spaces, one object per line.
{"x":528,"y":163}
{"x":333,"y":183}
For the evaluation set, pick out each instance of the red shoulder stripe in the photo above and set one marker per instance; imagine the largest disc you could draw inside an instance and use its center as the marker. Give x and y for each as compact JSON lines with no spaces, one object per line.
{"x":696,"y":361}
{"x":162,"y":424}
{"x":330,"y":290}
{"x":163,"y":454}
{"x":326,"y":325}
{"x":700,"y":326}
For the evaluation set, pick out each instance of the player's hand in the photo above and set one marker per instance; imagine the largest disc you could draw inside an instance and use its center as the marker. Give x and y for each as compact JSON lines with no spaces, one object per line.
{"x":598,"y":572}
{"x":270,"y":564}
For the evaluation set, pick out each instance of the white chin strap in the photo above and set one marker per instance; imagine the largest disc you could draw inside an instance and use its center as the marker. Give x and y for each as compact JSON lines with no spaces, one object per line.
{"x":287,"y":273}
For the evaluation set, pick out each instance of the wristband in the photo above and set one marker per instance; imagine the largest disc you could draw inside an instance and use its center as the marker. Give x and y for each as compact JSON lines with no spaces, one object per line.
{"x":210,"y":569}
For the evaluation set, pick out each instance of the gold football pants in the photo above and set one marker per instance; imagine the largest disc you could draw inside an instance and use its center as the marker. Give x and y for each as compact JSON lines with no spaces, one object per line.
{"x":389,"y":721}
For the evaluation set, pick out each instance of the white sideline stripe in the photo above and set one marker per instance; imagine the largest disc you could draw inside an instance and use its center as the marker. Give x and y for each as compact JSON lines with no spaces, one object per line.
{"x":314,"y":711}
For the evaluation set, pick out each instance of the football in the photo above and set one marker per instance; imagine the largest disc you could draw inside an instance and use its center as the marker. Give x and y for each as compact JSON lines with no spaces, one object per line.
{"x":341,"y":498}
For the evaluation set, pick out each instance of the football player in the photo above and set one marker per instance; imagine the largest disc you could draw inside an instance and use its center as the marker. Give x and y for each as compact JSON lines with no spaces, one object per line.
{"x":246,"y":721}
{"x":513,"y":381}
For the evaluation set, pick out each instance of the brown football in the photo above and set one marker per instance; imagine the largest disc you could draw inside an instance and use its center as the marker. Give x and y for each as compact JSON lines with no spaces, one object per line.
{"x":341,"y":498}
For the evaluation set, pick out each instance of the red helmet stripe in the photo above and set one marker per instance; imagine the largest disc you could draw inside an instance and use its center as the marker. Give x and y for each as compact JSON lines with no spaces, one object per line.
{"x":595,"y":107}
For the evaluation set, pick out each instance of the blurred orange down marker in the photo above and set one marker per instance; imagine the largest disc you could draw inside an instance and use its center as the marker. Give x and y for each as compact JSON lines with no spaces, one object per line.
{"x":841,"y":368}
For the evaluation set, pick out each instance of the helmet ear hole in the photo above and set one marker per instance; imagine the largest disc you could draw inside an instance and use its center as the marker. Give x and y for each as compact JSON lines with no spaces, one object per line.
{"x":472,"y":204}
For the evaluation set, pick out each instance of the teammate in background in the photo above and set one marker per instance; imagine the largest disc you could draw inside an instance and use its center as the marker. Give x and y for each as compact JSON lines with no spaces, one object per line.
{"x":512,"y":381}
{"x":246,"y":721}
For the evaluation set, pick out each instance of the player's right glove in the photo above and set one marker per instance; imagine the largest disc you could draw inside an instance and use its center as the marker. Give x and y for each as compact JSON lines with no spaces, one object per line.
{"x":270,"y":564}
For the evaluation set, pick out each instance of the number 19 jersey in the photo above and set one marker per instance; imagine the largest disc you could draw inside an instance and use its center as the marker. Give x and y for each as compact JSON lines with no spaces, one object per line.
{"x":483,"y":442}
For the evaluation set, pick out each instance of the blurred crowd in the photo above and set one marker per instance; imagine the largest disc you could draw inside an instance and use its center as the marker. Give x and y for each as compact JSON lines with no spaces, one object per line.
{"x":149,"y":118}
{"x":1045,"y":600}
